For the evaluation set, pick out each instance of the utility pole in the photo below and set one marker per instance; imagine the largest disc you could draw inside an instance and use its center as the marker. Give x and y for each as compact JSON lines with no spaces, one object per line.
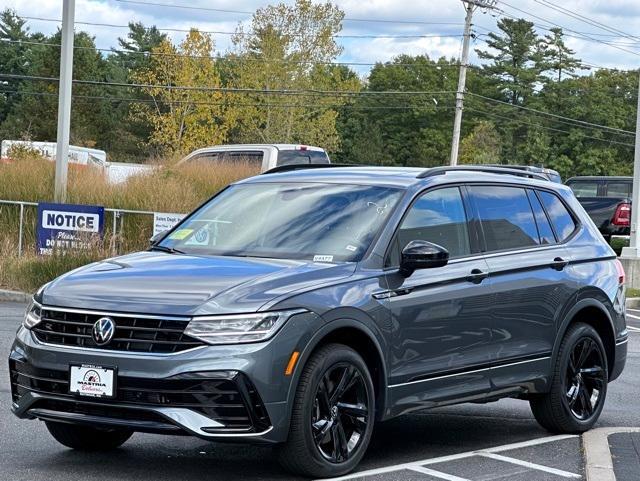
{"x":64,"y":100}
{"x":469,"y":6}
{"x":632,"y":250}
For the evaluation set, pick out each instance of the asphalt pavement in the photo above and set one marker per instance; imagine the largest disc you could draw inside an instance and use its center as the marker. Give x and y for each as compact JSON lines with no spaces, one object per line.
{"x":496,"y":441}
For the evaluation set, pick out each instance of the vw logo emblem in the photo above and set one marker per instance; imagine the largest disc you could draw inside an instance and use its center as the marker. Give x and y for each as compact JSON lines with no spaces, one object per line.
{"x":103,"y":330}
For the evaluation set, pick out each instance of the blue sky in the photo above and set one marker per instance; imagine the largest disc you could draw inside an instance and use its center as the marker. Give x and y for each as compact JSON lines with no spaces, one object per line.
{"x":444,"y":17}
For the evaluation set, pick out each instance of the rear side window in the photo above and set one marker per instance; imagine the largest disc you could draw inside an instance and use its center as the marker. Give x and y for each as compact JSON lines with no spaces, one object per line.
{"x":251,"y":157}
{"x":437,"y":216}
{"x":506,"y":217}
{"x":561,"y":219}
{"x":584,"y":189}
{"x":544,"y":227}
{"x":618,"y":189}
{"x":237,"y":157}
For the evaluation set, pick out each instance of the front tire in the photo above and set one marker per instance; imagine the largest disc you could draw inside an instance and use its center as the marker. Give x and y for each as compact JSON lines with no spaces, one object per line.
{"x":578,"y":384}
{"x":333,"y":415}
{"x":86,"y":438}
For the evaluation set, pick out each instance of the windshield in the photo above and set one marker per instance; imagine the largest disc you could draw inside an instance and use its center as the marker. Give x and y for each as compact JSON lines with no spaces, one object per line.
{"x":319,"y":222}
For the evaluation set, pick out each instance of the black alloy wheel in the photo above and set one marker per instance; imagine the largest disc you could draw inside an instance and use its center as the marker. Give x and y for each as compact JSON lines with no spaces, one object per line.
{"x":340,"y":412}
{"x":577,"y":384}
{"x":585,"y":378}
{"x":333,"y":414}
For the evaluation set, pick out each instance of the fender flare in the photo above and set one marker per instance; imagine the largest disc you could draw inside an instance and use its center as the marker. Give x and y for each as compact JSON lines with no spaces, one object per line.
{"x":569,"y":316}
{"x":316,"y":339}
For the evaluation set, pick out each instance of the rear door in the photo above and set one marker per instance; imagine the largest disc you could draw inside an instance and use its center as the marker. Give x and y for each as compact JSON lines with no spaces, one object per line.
{"x":441,"y":317}
{"x":526,"y":263}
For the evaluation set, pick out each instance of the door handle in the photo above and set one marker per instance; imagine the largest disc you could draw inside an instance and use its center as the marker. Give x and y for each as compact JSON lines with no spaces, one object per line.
{"x":477,"y":276}
{"x":559,"y":263}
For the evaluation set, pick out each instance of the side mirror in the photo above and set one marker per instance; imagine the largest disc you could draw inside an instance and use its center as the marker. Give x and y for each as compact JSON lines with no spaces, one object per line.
{"x":419,"y":254}
{"x":156,"y":238}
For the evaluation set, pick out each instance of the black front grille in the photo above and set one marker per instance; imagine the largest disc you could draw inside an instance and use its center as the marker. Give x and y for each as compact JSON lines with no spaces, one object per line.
{"x":134,"y":334}
{"x":227,"y":397}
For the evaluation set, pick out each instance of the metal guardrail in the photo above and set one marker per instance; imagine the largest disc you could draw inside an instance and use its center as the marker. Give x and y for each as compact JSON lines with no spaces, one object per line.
{"x":115,"y":213}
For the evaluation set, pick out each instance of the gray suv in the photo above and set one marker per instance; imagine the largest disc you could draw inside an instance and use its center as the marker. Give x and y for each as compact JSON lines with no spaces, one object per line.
{"x":300,"y":307}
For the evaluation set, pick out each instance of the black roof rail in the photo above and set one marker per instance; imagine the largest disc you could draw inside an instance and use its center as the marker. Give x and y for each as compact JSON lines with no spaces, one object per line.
{"x":291,"y":167}
{"x":480,"y":168}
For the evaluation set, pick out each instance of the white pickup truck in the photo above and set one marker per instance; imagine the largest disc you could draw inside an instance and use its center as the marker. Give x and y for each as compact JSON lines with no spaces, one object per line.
{"x":267,"y":156}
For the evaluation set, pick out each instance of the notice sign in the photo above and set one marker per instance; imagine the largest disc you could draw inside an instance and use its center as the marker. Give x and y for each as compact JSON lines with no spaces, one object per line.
{"x":163,"y":222}
{"x":68,"y":227}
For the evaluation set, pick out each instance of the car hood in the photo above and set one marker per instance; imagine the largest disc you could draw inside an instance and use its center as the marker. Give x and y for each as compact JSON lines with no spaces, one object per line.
{"x":179,"y":284}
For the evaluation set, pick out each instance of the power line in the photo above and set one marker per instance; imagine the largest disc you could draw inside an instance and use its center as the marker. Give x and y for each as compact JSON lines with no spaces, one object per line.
{"x":584,"y":36}
{"x":245,"y":12}
{"x":585,"y":19}
{"x":233,"y":104}
{"x":300,"y":92}
{"x":221,"y":32}
{"x":555,"y":116}
{"x":239,"y":60}
{"x":533,"y":124}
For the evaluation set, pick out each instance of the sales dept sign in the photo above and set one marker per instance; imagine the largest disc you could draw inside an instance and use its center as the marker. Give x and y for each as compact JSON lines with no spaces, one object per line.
{"x":68,"y":227}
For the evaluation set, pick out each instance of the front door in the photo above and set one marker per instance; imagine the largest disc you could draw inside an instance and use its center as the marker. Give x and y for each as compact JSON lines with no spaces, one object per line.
{"x":440,"y":330}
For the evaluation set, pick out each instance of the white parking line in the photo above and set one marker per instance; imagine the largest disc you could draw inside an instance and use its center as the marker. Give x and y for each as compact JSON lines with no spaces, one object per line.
{"x":453,"y":457}
{"x":526,"y":464}
{"x":437,"y":474}
{"x":631,"y":315}
{"x":634,"y":329}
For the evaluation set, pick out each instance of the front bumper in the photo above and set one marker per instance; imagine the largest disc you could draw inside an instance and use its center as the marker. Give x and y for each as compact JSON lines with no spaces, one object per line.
{"x":213,"y":392}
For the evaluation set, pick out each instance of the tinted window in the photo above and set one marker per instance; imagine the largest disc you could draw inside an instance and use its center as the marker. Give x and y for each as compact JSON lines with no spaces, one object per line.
{"x":584,"y":189}
{"x":506,"y":216}
{"x":439,"y":217}
{"x":244,"y":157}
{"x":561,"y":220}
{"x":207,"y":157}
{"x":618,"y":189}
{"x":545,"y":231}
{"x":288,"y":157}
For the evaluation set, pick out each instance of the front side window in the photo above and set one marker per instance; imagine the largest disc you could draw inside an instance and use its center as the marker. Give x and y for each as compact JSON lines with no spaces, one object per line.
{"x":506,"y":217}
{"x":438,"y":217}
{"x":314,"y":221}
{"x":561,"y":219}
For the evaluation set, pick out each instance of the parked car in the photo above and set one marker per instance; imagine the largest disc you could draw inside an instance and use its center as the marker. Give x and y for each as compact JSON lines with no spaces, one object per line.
{"x":607,"y":200}
{"x":320,"y":302}
{"x":550,"y":174}
{"x":264,"y":156}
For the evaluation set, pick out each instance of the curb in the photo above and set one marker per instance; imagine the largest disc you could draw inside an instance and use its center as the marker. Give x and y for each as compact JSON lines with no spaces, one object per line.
{"x":14,"y":296}
{"x":632,"y":302}
{"x":599,"y":465}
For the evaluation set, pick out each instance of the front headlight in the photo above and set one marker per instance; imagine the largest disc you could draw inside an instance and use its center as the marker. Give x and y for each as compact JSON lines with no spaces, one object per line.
{"x":33,"y":314}
{"x":238,"y":328}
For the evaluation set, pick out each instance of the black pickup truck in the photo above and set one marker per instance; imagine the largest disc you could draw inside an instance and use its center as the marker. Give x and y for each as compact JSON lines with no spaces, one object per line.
{"x":607,"y":200}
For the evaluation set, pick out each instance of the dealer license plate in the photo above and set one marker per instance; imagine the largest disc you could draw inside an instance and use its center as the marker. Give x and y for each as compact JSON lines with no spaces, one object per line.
{"x":92,"y":381}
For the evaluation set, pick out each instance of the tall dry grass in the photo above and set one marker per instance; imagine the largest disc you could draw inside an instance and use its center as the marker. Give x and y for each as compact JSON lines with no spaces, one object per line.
{"x":167,"y":188}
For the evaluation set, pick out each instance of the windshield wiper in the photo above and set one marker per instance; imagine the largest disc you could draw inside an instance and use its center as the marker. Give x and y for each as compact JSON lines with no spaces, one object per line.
{"x":170,"y":250}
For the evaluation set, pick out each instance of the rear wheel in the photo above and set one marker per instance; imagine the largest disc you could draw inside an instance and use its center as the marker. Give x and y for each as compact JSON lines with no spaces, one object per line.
{"x":86,"y":438}
{"x":579,"y":384}
{"x":333,"y":414}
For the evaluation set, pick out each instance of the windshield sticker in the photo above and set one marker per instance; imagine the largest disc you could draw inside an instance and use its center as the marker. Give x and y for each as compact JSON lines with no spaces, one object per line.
{"x":181,"y":234}
{"x":351,"y":248}
{"x":322,"y":258}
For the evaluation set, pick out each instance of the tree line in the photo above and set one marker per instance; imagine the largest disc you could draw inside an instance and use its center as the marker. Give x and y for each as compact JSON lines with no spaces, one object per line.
{"x":531,"y":101}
